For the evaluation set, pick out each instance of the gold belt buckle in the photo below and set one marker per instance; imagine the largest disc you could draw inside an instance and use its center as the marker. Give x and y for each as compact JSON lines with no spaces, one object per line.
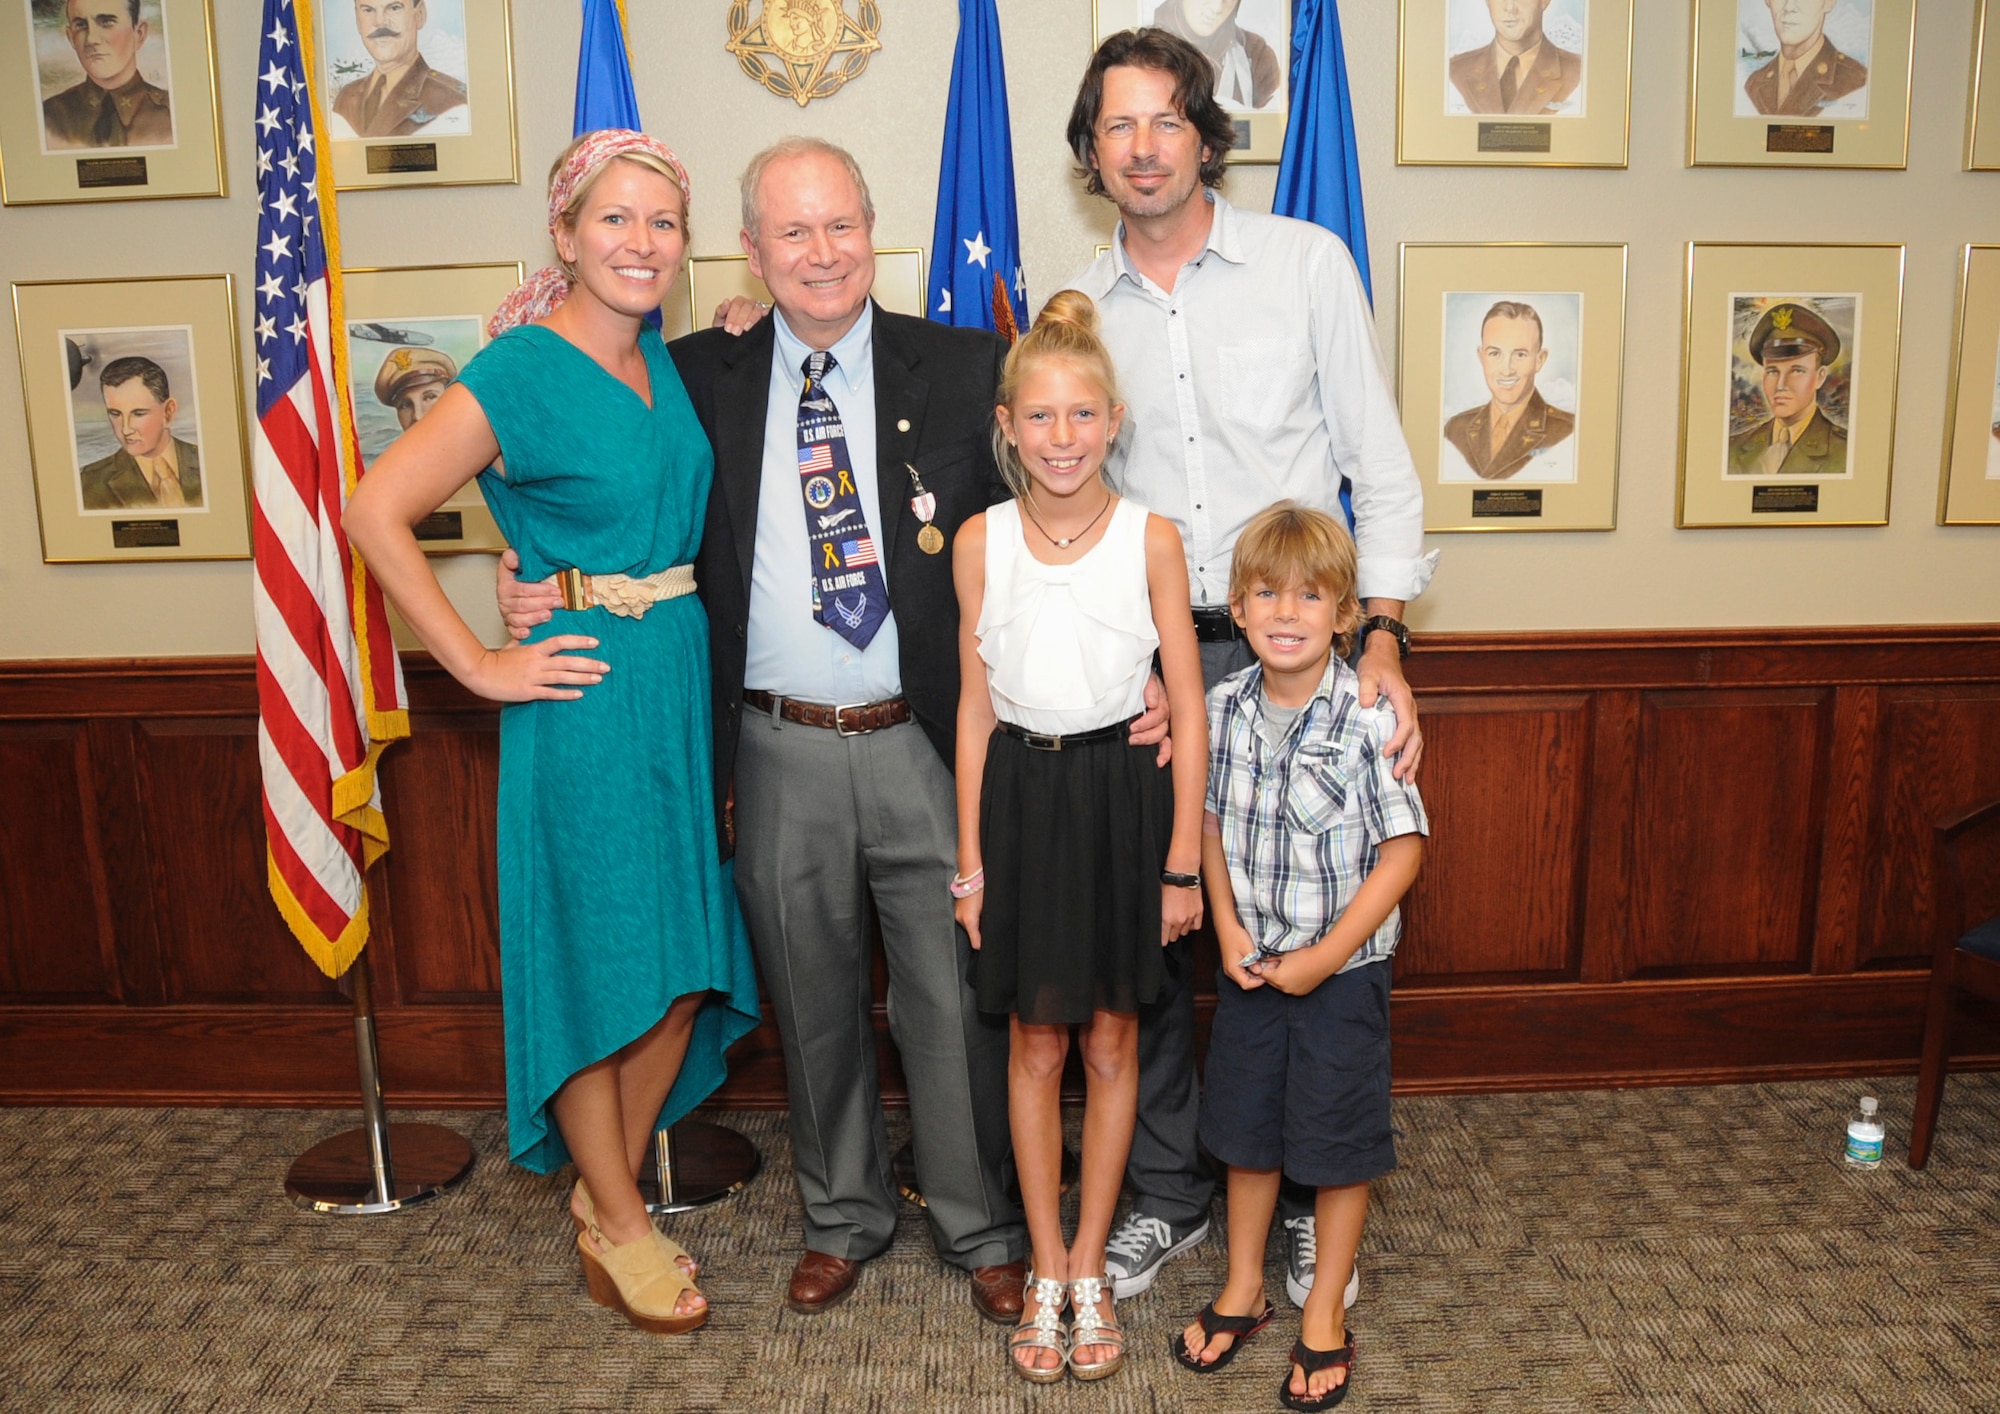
{"x":1042,"y":741}
{"x":575,"y":588}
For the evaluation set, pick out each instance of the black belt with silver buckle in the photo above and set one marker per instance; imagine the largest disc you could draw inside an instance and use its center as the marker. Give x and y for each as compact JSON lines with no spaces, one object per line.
{"x":1215,"y":626}
{"x":1042,"y":741}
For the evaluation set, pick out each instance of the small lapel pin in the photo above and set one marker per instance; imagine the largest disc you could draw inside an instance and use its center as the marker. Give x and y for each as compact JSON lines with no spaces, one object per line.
{"x":902,"y":424}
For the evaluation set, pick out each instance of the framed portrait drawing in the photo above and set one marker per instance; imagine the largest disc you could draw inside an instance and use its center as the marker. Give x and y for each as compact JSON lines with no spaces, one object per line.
{"x":1982,"y":122}
{"x":1788,"y":384}
{"x":107,"y":100}
{"x":418,"y":93}
{"x":1969,"y":487}
{"x":1523,"y":83}
{"x":1801,"y":83}
{"x":1250,"y":44}
{"x":135,"y":418}
{"x":711,"y":279}
{"x":1510,"y":383}
{"x":409,"y":332}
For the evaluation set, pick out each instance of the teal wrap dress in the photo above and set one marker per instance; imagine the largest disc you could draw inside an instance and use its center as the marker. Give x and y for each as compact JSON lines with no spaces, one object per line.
{"x":613,"y":900}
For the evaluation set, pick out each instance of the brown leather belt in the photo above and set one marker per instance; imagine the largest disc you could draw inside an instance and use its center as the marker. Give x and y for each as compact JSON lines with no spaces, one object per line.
{"x":855,"y":720}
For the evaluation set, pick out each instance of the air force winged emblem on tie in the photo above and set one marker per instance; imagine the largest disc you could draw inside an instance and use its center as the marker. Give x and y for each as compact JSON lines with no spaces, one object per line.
{"x":804,"y":49}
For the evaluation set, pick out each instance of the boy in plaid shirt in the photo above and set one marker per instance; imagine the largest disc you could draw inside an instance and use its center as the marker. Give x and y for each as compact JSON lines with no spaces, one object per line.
{"x":1310,"y":843}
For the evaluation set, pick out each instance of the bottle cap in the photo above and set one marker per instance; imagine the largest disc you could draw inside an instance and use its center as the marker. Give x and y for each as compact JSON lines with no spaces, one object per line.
{"x":1868,"y":1104}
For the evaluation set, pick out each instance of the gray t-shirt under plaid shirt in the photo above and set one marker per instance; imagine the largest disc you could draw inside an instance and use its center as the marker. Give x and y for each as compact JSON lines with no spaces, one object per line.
{"x":1303,"y":821}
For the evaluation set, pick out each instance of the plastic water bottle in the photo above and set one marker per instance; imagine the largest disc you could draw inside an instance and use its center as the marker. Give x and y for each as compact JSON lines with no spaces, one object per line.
{"x":1864,"y":1135}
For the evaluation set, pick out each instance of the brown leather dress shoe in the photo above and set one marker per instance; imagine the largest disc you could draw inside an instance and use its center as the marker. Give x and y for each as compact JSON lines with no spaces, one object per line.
{"x":996,"y":1291}
{"x":820,"y":1281}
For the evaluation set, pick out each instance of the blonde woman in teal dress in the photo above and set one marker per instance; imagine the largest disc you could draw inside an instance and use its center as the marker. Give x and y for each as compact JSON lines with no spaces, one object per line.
{"x":625,"y":969}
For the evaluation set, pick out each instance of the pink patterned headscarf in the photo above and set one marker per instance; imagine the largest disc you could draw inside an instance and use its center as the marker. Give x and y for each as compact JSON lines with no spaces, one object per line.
{"x":548,"y":287}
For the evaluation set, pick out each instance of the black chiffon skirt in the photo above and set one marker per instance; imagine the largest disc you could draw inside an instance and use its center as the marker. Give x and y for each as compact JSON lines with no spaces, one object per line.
{"x":1073,"y":842}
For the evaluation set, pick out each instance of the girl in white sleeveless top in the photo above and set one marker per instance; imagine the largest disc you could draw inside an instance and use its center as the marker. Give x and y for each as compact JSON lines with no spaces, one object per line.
{"x":1079,"y":854}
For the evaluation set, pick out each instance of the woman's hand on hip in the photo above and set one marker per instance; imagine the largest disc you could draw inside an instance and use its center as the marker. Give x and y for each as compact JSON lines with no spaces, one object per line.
{"x":524,"y":603}
{"x":537,"y":672}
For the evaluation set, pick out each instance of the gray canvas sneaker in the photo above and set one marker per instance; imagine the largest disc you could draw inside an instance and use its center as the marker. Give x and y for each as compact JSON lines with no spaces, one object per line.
{"x":1302,"y":1256}
{"x":1141,"y":1246}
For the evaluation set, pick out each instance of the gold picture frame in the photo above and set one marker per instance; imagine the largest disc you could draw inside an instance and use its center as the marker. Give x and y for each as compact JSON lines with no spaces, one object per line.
{"x":134,"y":396}
{"x":1789,"y":364}
{"x":1849,"y":106}
{"x":1537,"y":332}
{"x":59,"y":142}
{"x":443,"y":124}
{"x":1969,"y":481}
{"x":1256,"y":67}
{"x":410,"y":330}
{"x":1982,"y":140}
{"x":711,"y":279}
{"x":1454,"y":106}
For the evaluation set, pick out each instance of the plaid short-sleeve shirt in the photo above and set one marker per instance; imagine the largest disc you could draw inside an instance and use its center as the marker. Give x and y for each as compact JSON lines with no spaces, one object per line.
{"x":1303,"y":822}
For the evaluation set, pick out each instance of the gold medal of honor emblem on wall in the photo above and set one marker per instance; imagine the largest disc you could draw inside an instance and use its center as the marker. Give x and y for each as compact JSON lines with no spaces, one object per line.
{"x":804,"y":49}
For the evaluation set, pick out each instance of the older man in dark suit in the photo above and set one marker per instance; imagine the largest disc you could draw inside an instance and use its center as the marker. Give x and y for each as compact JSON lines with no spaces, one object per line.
{"x":1522,"y":72}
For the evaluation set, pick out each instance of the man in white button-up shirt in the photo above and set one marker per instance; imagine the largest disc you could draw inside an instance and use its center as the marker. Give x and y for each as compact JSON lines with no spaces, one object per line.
{"x":1250,"y":370}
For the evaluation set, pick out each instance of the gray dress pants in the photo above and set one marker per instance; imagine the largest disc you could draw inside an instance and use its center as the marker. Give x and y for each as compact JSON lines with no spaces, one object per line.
{"x":824,"y":824}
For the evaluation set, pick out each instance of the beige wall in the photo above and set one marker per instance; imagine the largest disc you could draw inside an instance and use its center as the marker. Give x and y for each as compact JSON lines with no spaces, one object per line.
{"x":1644,"y":574}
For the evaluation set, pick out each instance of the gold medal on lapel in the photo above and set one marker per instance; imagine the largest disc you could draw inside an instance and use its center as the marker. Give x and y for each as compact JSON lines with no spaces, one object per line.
{"x":923,"y":505}
{"x":930,"y":540}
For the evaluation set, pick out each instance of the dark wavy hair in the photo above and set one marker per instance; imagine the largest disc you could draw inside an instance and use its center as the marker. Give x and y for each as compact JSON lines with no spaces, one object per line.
{"x":1194,"y":95}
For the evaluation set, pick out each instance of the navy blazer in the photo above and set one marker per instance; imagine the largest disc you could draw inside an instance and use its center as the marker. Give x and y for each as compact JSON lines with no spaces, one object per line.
{"x":938,"y":380}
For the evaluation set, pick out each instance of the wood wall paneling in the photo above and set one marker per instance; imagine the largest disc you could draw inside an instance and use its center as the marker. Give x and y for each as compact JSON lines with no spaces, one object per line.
{"x":1505,"y":781}
{"x":1658,"y":857}
{"x":440,"y":788}
{"x":1727,"y":868}
{"x":55,"y":925}
{"x":1937,"y":752}
{"x":222,"y":939}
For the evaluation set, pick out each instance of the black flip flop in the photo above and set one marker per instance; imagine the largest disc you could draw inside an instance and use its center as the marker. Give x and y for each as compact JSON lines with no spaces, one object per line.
{"x":1312,"y":1362}
{"x":1213,"y":1323}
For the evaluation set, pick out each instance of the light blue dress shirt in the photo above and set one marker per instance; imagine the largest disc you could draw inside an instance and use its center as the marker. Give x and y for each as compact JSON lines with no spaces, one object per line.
{"x":791,"y":653}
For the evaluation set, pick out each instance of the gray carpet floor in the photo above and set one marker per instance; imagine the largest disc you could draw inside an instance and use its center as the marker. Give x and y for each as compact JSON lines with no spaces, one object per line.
{"x":1645,"y":1249}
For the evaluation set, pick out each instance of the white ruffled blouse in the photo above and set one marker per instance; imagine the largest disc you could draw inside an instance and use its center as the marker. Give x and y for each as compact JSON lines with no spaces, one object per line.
{"x":1068,"y":648}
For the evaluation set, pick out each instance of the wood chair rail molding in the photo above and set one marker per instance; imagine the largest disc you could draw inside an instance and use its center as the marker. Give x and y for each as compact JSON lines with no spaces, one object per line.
{"x":1682,"y":856}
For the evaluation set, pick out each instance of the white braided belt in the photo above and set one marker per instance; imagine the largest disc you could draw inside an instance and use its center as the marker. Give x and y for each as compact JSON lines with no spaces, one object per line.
{"x":621,"y":593}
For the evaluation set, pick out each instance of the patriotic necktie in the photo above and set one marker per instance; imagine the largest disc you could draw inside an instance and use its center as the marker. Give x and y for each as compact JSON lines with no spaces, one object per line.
{"x":849,"y":595}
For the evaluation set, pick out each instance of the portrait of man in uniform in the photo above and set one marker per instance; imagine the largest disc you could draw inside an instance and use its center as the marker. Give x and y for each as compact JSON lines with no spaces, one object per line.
{"x":399,"y":367}
{"x":1249,"y":51}
{"x":1509,"y":57}
{"x":1516,"y":431}
{"x":113,"y":103}
{"x":396,"y":90}
{"x":1796,"y":406}
{"x":1805,"y":58}
{"x":137,"y":445}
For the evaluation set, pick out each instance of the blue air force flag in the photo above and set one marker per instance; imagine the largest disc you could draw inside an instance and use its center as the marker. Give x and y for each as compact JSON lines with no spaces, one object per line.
{"x":976,"y":277}
{"x":1319,"y":175}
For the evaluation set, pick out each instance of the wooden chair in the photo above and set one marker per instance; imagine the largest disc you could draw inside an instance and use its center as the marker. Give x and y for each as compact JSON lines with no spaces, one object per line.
{"x":1965,"y":957}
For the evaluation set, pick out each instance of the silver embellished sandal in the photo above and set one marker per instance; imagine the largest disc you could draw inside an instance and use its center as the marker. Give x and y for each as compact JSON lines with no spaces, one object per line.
{"x":1041,"y":1331}
{"x":1090,"y":1328}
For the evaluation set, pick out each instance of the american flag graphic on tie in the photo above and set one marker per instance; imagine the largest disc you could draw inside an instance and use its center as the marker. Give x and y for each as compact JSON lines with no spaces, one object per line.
{"x":854,"y":553}
{"x":818,"y":457}
{"x":329,"y":688}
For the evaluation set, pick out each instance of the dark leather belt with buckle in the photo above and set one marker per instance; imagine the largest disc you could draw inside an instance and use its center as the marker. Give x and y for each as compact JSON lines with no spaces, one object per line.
{"x":1215,"y":626}
{"x":856,"y":720}
{"x":1041,"y":741}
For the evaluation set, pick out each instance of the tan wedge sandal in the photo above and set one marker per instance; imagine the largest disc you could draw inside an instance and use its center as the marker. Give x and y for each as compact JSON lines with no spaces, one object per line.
{"x":1089,"y":1327}
{"x":640,"y":1280}
{"x":680,"y":1254}
{"x":1041,"y":1331}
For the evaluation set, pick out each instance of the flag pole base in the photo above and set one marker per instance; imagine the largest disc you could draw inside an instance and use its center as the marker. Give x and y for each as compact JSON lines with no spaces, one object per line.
{"x":695,"y":1163}
{"x":337,"y":1175}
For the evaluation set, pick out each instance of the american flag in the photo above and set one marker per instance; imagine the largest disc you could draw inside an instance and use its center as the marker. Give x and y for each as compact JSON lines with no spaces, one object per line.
{"x":818,"y":457}
{"x":329,"y":688}
{"x":855,"y":553}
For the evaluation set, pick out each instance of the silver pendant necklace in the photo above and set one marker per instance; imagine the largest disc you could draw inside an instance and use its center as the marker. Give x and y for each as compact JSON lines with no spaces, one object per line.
{"x":1028,"y":504}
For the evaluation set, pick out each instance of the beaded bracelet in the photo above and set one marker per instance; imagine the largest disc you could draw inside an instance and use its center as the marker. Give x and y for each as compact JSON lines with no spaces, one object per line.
{"x":969,"y":885}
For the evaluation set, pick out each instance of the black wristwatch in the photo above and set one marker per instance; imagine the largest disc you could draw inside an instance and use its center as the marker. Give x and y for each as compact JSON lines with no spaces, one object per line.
{"x":1399,"y":630}
{"x":1180,"y":881}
